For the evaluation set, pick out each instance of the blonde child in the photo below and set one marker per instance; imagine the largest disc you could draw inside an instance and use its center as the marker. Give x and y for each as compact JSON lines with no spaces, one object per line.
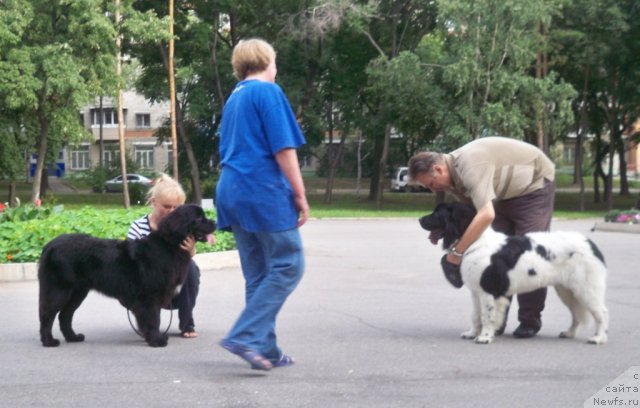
{"x":164,"y":197}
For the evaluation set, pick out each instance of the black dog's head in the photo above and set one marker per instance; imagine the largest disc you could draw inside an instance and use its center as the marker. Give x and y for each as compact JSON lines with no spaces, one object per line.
{"x":448,"y":222}
{"x":188,"y":219}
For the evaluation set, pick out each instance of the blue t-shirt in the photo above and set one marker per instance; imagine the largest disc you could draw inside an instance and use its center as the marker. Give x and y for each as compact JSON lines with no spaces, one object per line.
{"x":257,"y":123}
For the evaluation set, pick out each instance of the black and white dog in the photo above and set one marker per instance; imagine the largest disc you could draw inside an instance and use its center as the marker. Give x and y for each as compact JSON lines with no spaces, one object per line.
{"x":497,"y":266}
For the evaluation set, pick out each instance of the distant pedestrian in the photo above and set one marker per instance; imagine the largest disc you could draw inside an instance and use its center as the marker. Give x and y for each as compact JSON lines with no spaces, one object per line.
{"x":261,"y":197}
{"x":511,"y":185}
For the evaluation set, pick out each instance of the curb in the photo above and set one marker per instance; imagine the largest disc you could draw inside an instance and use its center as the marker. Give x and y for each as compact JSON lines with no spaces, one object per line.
{"x":616,"y":227}
{"x":28,"y":271}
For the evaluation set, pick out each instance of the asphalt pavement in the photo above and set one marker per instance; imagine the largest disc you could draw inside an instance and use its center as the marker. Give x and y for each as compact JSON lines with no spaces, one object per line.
{"x":372,"y":324}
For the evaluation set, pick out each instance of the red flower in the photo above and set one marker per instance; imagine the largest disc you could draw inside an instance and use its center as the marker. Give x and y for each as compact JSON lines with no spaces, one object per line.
{"x":2,"y":207}
{"x":9,"y":257}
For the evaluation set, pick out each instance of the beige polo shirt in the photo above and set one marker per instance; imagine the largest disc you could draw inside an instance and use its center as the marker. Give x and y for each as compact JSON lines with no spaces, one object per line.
{"x":497,"y":168}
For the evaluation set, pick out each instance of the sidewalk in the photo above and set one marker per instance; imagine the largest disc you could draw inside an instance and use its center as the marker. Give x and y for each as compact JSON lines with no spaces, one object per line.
{"x":372,"y":324}
{"x":29,"y":270}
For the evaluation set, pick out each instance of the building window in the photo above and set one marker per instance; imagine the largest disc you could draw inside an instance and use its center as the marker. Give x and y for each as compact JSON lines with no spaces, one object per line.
{"x":143,"y":120}
{"x":144,"y":156}
{"x":109,"y":115}
{"x":169,"y":156}
{"x":110,"y":156}
{"x":306,"y":160}
{"x":80,"y":158}
{"x":569,"y":155}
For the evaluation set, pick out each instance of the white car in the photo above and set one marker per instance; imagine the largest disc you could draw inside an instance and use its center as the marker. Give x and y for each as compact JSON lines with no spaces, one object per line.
{"x":400,"y":179}
{"x":115,"y":184}
{"x":400,"y":182}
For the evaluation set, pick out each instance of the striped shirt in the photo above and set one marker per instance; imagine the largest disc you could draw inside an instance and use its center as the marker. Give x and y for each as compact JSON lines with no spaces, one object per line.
{"x":139,"y":228}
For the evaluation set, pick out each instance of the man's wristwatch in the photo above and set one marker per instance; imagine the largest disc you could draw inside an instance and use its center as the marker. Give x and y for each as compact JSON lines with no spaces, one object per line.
{"x":453,"y":251}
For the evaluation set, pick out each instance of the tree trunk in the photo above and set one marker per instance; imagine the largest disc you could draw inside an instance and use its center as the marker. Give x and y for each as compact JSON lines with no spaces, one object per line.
{"x":172,"y":96}
{"x":624,"y":182}
{"x":577,"y":173}
{"x":44,"y":184}
{"x":101,"y":135}
{"x":123,"y":158}
{"x":360,"y":159}
{"x":12,"y":194}
{"x":382,"y":167}
{"x":578,"y":177}
{"x":375,"y":172}
{"x":196,"y":189}
{"x":214,"y":59}
{"x":333,"y":166}
{"x":598,"y":172}
{"x":42,"y":153}
{"x":608,"y":181}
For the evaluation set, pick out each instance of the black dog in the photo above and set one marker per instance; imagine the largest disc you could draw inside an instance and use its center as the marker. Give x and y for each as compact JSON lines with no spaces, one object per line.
{"x":142,"y":274}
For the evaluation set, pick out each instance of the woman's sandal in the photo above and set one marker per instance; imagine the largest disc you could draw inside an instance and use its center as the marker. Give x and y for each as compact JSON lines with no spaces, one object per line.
{"x":189,"y":334}
{"x":285,"y":361}
{"x":257,"y":360}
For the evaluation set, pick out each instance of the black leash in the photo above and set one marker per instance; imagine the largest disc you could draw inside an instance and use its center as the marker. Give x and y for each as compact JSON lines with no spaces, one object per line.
{"x":138,"y":331}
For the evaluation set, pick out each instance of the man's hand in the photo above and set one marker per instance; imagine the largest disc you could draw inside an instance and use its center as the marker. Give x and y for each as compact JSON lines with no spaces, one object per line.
{"x":451,"y":272}
{"x":454,"y":259}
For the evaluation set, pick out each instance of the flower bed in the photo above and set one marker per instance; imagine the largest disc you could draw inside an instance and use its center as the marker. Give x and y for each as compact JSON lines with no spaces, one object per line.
{"x":623,"y":216}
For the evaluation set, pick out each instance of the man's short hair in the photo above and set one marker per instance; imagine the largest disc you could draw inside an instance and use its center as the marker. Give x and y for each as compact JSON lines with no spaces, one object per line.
{"x":423,"y":162}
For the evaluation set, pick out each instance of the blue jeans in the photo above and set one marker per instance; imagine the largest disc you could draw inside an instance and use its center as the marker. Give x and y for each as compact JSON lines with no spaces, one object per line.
{"x":185,"y":301}
{"x":272,"y":265}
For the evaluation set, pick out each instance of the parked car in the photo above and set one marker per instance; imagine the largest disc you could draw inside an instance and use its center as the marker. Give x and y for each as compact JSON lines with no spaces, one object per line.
{"x":400,"y":182}
{"x":115,"y":184}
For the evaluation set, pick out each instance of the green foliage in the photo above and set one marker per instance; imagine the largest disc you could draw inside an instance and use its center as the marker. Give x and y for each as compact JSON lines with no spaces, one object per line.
{"x":97,"y":176}
{"x":492,"y":47}
{"x":28,"y":212}
{"x":410,"y":94}
{"x":26,"y":230}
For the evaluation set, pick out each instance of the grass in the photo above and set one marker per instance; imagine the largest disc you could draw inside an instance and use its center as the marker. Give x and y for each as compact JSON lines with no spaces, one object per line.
{"x":346,"y":204}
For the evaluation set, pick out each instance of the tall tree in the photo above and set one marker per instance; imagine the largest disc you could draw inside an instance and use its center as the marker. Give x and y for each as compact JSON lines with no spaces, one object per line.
{"x":493,"y":46}
{"x":58,"y":64}
{"x":596,"y":49}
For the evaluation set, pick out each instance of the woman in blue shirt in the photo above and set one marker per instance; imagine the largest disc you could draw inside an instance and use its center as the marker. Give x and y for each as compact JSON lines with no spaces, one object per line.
{"x":261,"y":198}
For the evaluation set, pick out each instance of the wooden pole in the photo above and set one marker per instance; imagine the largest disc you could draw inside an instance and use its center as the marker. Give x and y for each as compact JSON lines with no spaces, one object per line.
{"x":123,"y":160}
{"x":172,"y":94}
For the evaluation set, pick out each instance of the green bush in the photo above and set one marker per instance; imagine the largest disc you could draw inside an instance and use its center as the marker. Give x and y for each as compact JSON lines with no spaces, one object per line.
{"x":138,"y":193}
{"x":27,"y":230}
{"x":97,"y":176}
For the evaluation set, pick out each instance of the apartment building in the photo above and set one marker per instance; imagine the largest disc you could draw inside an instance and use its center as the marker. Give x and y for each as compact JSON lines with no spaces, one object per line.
{"x":141,"y":119}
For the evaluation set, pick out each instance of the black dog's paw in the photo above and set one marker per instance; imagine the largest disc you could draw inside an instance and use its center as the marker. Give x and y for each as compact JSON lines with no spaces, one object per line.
{"x":451,"y":272}
{"x":76,"y":338}
{"x":159,"y":341}
{"x":50,"y":342}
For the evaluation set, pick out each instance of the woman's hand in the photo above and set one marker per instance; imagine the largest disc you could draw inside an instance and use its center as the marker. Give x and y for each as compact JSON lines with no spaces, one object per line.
{"x":288,"y":161}
{"x":189,"y":245}
{"x":303,"y":209}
